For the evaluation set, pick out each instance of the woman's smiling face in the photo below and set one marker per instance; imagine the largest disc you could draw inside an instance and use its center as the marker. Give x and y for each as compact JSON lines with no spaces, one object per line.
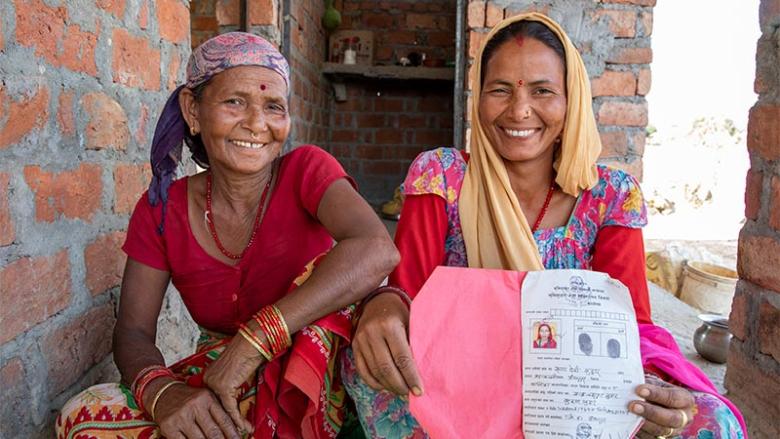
{"x":242,"y":115}
{"x":522,"y":104}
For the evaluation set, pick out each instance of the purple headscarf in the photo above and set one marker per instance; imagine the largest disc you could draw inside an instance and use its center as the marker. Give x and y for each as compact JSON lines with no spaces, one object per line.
{"x":214,"y":56}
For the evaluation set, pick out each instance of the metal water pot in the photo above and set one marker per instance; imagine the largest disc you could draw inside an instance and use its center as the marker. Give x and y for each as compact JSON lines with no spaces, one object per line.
{"x":712,"y":338}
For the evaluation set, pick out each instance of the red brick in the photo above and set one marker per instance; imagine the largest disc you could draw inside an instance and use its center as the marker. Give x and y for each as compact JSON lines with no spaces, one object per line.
{"x":383,"y":168}
{"x":753,"y":386}
{"x":638,"y":140}
{"x":631,"y":55}
{"x":173,"y":71}
{"x":105,"y":262}
{"x":774,"y":204}
{"x":646,"y":20}
{"x":201,"y":23}
{"x":411,"y":120}
{"x":643,"y":83}
{"x":421,"y":21}
{"x":115,"y":7}
{"x":7,"y":232}
{"x":757,"y":260}
{"x":739,"y":318}
{"x":388,"y":105}
{"x":65,"y":113}
{"x":34,"y":289}
{"x":633,"y":167}
{"x":173,"y":17}
{"x":475,"y":43}
{"x":476,"y":14}
{"x":134,"y":62}
{"x":614,"y":144}
{"x":370,"y":152}
{"x":46,"y":29}
{"x":130,"y":182}
{"x":613,"y":83}
{"x":764,"y":131}
{"x":74,"y":348}
{"x":493,"y":15}
{"x":24,"y":116}
{"x":370,"y":120}
{"x":378,"y":20}
{"x":107,"y":125}
{"x":401,"y":37}
{"x":227,"y":12}
{"x":753,"y":189}
{"x":769,"y":329}
{"x":263,"y":12}
{"x":12,"y":374}
{"x":623,"y":113}
{"x":344,"y":136}
{"x":143,"y":118}
{"x":71,"y":194}
{"x":622,"y":23}
{"x":432,"y":138}
{"x":388,"y":136}
{"x":441,"y":39}
{"x":632,"y":2}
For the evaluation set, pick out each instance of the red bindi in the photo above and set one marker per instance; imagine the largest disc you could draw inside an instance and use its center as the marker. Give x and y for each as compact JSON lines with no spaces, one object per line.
{"x":262,"y":86}
{"x":519,"y":40}
{"x":520,"y":82}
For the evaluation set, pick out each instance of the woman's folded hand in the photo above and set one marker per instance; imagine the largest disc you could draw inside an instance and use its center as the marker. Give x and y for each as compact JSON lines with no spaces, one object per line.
{"x":667,"y":409}
{"x":224,"y":377}
{"x":383,"y":357}
{"x":191,"y":412}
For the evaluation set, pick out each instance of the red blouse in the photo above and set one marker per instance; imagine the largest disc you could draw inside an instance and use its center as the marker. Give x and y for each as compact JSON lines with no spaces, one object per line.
{"x":220,"y":296}
{"x":618,"y":251}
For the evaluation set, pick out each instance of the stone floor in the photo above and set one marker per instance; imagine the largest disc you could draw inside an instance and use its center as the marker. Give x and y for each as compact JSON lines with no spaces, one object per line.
{"x":681,"y":320}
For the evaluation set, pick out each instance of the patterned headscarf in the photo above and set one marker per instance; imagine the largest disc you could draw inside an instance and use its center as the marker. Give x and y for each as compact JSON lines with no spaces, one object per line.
{"x":216,"y":55}
{"x":495,"y":231}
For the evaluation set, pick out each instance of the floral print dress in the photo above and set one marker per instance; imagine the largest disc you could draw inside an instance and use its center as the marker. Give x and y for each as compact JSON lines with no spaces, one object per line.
{"x":615,"y":200}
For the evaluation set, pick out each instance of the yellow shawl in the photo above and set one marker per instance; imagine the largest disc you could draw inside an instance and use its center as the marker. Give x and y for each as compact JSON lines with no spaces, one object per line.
{"x":496,"y":232}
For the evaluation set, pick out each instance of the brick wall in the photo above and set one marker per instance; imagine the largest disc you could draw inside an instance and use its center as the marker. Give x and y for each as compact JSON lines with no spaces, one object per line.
{"x":383,"y":125}
{"x":614,"y":39}
{"x":753,"y":372}
{"x":404,"y":26}
{"x":82,"y":84}
{"x":311,"y":100}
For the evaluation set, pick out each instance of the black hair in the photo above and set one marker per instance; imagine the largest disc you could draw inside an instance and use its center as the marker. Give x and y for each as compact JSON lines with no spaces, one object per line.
{"x":193,"y":141}
{"x":527,"y":29}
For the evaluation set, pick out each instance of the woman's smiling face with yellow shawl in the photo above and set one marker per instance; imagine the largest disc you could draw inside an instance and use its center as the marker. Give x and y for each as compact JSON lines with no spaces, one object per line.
{"x":522,"y":106}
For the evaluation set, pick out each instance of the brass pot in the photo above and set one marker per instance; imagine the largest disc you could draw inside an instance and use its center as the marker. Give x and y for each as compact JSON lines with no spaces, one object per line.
{"x":712,"y":338}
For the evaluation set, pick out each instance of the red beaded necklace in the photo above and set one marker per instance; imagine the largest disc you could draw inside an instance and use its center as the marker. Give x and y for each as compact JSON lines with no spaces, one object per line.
{"x":544,"y":207}
{"x":210,"y":218}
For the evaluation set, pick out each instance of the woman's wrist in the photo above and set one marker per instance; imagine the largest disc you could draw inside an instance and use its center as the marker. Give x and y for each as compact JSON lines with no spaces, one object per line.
{"x":151,"y":391}
{"x":386,"y":289}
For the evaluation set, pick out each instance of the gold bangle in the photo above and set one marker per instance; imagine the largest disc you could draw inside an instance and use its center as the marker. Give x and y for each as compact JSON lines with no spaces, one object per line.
{"x":244,"y":333}
{"x":159,"y":394}
{"x":287,"y":336}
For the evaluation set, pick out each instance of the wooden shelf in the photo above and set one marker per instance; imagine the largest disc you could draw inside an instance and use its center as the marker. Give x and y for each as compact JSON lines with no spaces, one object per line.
{"x":341,"y":71}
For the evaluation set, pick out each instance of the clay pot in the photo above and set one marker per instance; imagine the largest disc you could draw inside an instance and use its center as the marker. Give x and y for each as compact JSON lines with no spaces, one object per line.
{"x":712,"y":338}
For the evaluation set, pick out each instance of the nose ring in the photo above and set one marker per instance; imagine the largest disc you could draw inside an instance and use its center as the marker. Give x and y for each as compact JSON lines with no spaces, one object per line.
{"x":527,"y":114}
{"x":253,"y":134}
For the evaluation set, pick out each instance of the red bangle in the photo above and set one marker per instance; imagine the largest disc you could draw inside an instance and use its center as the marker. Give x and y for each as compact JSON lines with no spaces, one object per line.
{"x":143,"y":381}
{"x":274,"y":327}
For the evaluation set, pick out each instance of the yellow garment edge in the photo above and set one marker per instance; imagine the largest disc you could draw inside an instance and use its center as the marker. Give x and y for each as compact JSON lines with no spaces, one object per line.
{"x":496,"y":232}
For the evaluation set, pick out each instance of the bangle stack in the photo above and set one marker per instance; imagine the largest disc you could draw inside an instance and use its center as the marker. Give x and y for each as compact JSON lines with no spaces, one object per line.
{"x":146,"y":376}
{"x":277,"y":334}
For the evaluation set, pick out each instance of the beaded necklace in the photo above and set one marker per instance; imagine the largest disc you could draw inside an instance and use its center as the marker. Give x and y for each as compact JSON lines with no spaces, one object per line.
{"x":210,"y":218}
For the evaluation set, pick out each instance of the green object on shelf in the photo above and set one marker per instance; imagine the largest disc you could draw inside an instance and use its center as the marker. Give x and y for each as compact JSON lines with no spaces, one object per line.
{"x":331,"y":19}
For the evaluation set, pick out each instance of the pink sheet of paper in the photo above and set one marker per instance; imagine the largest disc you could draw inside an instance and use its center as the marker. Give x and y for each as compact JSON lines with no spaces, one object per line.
{"x":470,"y":392}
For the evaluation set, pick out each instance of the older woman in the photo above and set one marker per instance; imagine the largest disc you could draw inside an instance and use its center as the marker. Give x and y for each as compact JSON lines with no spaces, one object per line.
{"x":529,"y":196}
{"x":241,"y":242}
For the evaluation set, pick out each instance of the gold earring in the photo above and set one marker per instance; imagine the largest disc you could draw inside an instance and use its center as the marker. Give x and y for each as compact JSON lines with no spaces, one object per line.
{"x":193,"y":131}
